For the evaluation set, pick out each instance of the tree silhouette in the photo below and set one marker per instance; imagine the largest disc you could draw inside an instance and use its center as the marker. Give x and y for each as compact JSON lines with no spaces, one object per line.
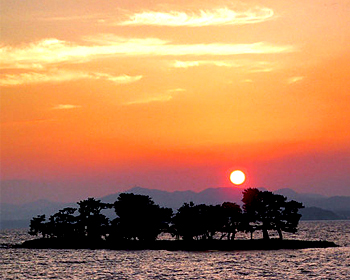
{"x":139,"y":218}
{"x":212,"y":219}
{"x":90,"y":222}
{"x":38,"y":225}
{"x":188,"y":222}
{"x":268,"y":211}
{"x":197,"y":221}
{"x":232,"y":214}
{"x":289,"y":218}
{"x":63,"y":223}
{"x":250,"y":210}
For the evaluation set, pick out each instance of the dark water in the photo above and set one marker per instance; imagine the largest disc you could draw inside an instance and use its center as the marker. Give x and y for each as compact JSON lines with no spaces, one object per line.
{"x":330,"y":263}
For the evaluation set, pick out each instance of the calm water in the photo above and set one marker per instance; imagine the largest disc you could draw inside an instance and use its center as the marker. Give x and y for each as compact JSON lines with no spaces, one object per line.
{"x":330,"y":263}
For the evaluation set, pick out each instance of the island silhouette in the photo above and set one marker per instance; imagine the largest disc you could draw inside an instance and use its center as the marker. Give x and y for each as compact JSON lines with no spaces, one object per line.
{"x":139,"y":222}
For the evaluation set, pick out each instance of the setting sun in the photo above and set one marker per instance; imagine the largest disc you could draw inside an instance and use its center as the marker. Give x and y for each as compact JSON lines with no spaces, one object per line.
{"x":237,"y":177}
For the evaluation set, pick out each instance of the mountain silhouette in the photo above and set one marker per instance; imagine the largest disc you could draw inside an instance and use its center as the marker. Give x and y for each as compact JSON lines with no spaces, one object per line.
{"x":318,"y":207}
{"x":177,"y":198}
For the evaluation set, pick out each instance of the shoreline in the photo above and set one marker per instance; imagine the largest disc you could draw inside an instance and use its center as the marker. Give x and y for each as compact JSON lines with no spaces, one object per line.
{"x":176,"y":245}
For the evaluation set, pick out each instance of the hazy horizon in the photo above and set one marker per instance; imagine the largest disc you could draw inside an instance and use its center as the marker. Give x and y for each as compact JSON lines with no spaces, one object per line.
{"x":11,"y":198}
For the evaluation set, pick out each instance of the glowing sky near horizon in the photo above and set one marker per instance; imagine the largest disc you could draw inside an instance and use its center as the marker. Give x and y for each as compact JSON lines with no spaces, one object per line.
{"x":100,"y":96}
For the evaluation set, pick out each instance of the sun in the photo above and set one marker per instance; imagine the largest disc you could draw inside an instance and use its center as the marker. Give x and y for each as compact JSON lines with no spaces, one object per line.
{"x":237,"y":177}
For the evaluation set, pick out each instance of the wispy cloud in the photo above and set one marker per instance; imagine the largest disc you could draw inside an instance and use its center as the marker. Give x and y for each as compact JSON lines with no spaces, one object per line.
{"x":167,"y":96}
{"x":188,"y":64}
{"x":176,"y":90}
{"x":296,"y":79}
{"x":220,"y":16}
{"x":261,"y":66}
{"x":35,"y":77}
{"x":65,"y":107}
{"x":150,"y":99}
{"x":122,"y":79}
{"x":252,"y":67}
{"x":53,"y":51}
{"x":86,"y":17}
{"x":57,"y":76}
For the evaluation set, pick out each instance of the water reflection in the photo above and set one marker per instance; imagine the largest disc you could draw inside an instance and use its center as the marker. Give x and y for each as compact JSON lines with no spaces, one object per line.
{"x":330,"y":263}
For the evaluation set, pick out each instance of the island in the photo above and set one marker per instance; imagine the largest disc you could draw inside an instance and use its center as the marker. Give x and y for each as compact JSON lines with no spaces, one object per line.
{"x":139,"y":223}
{"x":177,"y":245}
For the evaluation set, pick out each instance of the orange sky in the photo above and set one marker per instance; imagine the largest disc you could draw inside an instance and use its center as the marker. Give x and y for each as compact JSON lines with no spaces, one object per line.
{"x":100,"y":96}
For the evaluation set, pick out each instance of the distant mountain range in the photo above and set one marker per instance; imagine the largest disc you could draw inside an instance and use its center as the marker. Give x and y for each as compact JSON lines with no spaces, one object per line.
{"x":318,"y":207}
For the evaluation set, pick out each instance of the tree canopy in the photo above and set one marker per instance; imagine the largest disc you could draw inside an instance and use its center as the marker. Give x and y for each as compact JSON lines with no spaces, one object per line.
{"x":138,"y":217}
{"x":265,"y":211}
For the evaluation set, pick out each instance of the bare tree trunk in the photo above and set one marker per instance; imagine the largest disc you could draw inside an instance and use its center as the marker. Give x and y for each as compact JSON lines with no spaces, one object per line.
{"x":233,"y":236}
{"x":280,"y":233}
{"x":265,"y":234}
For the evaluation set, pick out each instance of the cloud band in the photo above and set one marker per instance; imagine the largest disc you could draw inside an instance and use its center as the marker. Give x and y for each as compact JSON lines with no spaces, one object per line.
{"x":50,"y":51}
{"x":215,"y":17}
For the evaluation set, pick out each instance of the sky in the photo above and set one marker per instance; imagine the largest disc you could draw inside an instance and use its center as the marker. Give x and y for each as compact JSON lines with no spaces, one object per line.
{"x":100,"y":96}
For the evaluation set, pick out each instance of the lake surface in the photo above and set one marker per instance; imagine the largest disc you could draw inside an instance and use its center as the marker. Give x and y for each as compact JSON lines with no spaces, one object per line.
{"x":329,"y":263}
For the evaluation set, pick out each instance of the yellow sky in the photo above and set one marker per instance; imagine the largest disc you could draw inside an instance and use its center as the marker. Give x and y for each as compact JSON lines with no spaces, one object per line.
{"x":97,"y":85}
